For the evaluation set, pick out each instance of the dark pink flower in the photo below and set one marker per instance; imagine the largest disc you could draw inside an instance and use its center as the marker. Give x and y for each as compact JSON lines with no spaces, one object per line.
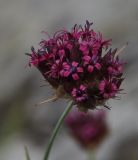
{"x":55,"y":69}
{"x":80,"y":94}
{"x":112,"y":63}
{"x":115,"y":68}
{"x":72,"y":69}
{"x":88,"y":129}
{"x":38,"y":57}
{"x":91,"y":62}
{"x":74,"y":61}
{"x":108,"y":89}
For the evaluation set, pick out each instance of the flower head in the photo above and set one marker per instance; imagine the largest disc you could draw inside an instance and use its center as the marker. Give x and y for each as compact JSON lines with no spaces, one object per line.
{"x":79,"y":94}
{"x":72,"y":70}
{"x":74,"y":61}
{"x":108,"y":89}
{"x":88,"y":129}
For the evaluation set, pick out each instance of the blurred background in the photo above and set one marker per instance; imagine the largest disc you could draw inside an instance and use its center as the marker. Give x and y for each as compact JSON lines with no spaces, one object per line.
{"x":21,"y":123}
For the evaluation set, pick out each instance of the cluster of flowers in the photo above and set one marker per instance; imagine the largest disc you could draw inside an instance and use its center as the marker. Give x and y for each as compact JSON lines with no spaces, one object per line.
{"x":79,"y":65}
{"x":89,"y":129}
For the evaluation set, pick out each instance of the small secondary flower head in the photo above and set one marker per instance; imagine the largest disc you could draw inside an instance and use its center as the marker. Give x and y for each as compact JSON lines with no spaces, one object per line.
{"x":79,"y":66}
{"x":89,"y":129}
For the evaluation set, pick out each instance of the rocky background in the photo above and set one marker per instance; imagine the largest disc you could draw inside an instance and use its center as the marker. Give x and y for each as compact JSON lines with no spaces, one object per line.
{"x":21,"y":123}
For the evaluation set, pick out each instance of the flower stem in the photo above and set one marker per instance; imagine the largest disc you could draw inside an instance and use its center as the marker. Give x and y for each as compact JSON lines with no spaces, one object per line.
{"x":27,"y":153}
{"x":56,"y":129}
{"x":91,"y":155}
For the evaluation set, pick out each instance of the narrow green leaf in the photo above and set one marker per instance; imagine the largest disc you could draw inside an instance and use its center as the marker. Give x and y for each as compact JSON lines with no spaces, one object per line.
{"x":27,"y":153}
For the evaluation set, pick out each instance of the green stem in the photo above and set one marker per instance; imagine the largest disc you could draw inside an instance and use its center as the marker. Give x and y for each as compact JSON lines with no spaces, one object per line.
{"x":27,"y":153}
{"x":56,"y":129}
{"x":91,"y":155}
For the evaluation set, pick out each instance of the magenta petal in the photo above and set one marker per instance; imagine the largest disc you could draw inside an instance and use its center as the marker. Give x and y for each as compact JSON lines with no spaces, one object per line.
{"x":69,"y":46}
{"x":86,"y":52}
{"x":113,"y":87}
{"x":79,"y":99}
{"x":75,"y":76}
{"x":87,"y":58}
{"x":98,"y":66}
{"x":90,"y":68}
{"x":66,"y":73}
{"x":66,"y":66}
{"x":61,"y":52}
{"x":57,"y":61}
{"x":74,"y":92}
{"x":74,"y":64}
{"x":62,"y":73}
{"x":102,"y":85}
{"x":110,"y":70}
{"x":35,"y":62}
{"x":80,"y":69}
{"x":82,"y":87}
{"x":120,"y":68}
{"x":83,"y":47}
{"x":42,"y":58}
